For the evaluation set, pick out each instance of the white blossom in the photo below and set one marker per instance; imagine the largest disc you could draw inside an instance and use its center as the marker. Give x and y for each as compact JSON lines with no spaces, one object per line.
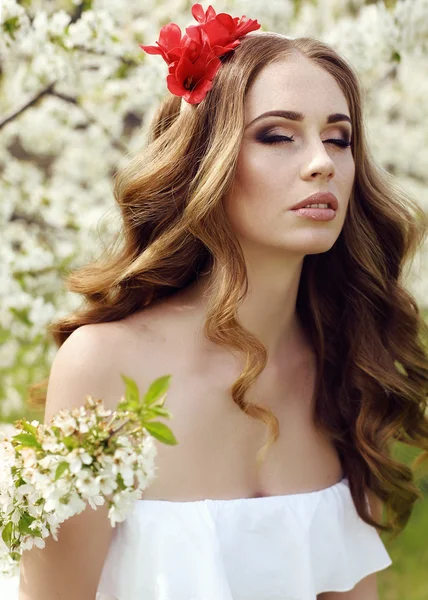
{"x":123,"y":502}
{"x":50,"y":472}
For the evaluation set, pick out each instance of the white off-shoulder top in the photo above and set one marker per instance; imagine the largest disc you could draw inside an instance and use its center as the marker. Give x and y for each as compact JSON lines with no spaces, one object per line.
{"x":289,"y":547}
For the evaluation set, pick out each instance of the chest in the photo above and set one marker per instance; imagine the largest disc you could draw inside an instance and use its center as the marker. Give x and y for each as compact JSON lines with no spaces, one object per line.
{"x":217,"y":442}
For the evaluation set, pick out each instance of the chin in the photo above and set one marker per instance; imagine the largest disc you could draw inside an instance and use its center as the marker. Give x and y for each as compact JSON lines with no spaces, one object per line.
{"x":313,"y":243}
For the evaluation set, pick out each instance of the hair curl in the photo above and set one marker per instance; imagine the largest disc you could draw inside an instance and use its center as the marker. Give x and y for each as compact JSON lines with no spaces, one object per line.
{"x":365,"y":327}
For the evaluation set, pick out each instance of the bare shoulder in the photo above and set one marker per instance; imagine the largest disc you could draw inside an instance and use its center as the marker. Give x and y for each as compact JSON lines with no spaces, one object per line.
{"x":90,"y":361}
{"x":93,"y":358}
{"x":77,"y":369}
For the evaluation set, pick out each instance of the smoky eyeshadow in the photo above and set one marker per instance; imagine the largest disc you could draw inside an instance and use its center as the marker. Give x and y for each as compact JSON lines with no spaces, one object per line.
{"x":265,"y":133}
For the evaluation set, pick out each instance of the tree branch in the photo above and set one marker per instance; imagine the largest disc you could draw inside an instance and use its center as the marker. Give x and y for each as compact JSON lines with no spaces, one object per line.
{"x":129,"y":62}
{"x":49,"y":90}
{"x":115,"y":143}
{"x":78,"y":11}
{"x":27,"y":105}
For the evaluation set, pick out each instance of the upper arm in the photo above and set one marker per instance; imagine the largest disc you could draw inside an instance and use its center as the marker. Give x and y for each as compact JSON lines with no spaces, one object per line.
{"x":70,"y":568}
{"x":366,"y":589}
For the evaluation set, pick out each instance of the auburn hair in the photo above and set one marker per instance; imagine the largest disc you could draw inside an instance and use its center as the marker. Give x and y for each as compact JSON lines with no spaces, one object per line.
{"x":365,"y":326}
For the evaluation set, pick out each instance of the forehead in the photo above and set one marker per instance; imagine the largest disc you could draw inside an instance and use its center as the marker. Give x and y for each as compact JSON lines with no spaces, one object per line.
{"x":295,"y":83}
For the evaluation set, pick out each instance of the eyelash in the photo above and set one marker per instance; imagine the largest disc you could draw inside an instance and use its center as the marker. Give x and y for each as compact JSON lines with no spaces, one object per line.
{"x":276,"y":139}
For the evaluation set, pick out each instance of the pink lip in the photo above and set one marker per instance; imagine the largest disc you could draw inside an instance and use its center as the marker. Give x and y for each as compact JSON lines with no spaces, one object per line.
{"x":318,"y":198}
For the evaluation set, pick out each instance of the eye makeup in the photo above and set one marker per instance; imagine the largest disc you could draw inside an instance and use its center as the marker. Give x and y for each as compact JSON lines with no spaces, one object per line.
{"x":265,"y":137}
{"x":277,"y":139}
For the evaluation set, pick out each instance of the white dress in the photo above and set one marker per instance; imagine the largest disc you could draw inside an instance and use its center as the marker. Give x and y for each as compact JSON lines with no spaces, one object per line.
{"x":289,"y":547}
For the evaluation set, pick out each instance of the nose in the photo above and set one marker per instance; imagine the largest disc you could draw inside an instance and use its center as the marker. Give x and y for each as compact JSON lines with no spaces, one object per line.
{"x":319,"y":163}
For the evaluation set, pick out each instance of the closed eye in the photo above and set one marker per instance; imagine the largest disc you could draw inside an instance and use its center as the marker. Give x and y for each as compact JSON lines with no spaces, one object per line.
{"x":276,"y":139}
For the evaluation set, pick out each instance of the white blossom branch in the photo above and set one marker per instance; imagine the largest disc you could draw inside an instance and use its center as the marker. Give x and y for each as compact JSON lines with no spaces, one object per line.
{"x":130,"y":62}
{"x":72,"y":100}
{"x":27,"y":105}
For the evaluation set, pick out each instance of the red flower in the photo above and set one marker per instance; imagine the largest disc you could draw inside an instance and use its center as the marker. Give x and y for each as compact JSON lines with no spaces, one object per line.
{"x":198,"y":34}
{"x":169,"y":44}
{"x":222,"y":31}
{"x":193,"y":58}
{"x":200,"y":15}
{"x":191,"y":77}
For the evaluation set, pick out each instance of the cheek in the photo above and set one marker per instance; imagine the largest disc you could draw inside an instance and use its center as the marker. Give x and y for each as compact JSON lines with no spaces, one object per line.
{"x":345,"y":164}
{"x":250,"y":207}
{"x":346,"y":174}
{"x":258,"y":169}
{"x":352,"y":171}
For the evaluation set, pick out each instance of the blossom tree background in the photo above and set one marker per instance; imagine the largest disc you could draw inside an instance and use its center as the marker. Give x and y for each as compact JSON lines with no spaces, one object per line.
{"x":76,"y":95}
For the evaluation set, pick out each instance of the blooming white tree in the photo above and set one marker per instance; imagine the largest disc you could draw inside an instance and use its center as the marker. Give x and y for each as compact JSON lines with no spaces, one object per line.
{"x":76,"y":93}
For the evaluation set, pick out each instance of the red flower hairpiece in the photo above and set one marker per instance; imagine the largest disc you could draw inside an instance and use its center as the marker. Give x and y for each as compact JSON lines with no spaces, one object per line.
{"x":193,"y":59}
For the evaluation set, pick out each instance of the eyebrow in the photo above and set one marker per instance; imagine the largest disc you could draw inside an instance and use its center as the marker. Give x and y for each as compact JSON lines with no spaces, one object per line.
{"x":297,"y":116}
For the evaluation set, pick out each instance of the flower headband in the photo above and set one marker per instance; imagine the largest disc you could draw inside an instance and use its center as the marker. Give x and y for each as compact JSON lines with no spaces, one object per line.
{"x":193,"y":59}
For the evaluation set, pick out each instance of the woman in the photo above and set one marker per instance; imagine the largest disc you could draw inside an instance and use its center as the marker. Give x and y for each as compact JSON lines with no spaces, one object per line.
{"x":264,"y":315}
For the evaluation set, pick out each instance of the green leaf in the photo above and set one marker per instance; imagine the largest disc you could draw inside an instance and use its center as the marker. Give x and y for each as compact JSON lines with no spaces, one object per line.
{"x":161,"y":432}
{"x":30,"y":428}
{"x":132,"y":394}
{"x":122,"y":71}
{"x":21,"y":315}
{"x":27,"y":439}
{"x":36,"y":533}
{"x":61,"y":469}
{"x":157,"y":389}
{"x":24,"y":524}
{"x":154,"y":412}
{"x":11,"y":25}
{"x":120,"y":481}
{"x":15,"y":556}
{"x":160,"y":412}
{"x":70,"y":442}
{"x":149,"y":415}
{"x":6,"y":534}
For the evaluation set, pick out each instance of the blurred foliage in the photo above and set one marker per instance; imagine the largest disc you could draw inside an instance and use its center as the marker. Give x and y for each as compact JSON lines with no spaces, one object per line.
{"x":407,"y":579}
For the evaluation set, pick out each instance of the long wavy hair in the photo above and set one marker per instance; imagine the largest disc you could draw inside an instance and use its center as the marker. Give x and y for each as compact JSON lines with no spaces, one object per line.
{"x":365,"y":327}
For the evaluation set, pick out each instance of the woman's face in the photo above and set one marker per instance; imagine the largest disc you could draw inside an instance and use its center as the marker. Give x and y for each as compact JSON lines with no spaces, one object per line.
{"x":272,"y":177}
